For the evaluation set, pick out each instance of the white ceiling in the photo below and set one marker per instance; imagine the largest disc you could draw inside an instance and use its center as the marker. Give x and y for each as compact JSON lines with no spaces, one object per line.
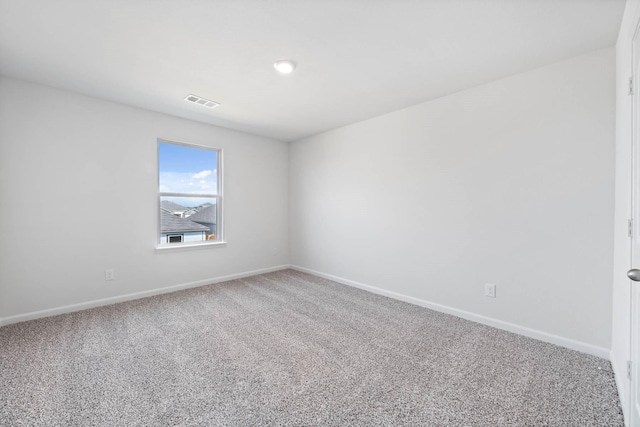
{"x":356,"y":58}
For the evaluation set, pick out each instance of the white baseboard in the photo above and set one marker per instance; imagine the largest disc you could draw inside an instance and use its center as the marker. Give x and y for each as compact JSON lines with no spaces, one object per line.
{"x":532,"y":333}
{"x":133,"y":296}
{"x":620,"y":373}
{"x":602,"y":352}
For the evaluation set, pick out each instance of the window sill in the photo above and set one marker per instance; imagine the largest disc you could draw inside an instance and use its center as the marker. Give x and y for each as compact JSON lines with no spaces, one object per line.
{"x":189,"y":246}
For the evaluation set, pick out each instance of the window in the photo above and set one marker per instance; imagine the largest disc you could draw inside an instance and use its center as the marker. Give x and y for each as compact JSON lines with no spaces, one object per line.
{"x":189,"y":194}
{"x":174,"y":238}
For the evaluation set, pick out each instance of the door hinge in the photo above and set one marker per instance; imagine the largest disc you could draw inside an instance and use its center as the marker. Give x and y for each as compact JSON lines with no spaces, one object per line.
{"x":630,"y":227}
{"x":630,"y":85}
{"x":629,"y":369}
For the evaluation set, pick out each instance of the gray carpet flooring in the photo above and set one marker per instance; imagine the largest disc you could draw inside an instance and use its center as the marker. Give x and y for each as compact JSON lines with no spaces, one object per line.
{"x":290,"y":349}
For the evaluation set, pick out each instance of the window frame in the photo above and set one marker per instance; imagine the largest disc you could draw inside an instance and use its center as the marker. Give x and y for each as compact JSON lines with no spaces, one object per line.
{"x":163,"y":246}
{"x":169,"y":236}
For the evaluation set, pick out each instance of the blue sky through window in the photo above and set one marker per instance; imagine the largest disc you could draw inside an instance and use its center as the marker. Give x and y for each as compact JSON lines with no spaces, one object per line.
{"x":187,"y":170}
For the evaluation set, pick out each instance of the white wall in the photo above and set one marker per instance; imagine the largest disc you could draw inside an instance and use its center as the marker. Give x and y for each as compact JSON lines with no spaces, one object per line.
{"x":509,"y":183}
{"x":621,"y":320}
{"x":78,"y":183}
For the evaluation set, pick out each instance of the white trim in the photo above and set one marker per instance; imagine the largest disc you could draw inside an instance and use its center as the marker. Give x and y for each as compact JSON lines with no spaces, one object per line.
{"x":198,"y":245}
{"x":133,"y":296}
{"x":511,"y":327}
{"x":620,"y":375}
{"x":602,"y":352}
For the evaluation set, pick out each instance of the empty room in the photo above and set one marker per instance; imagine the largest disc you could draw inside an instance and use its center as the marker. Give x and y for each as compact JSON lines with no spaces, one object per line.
{"x":320,"y":213}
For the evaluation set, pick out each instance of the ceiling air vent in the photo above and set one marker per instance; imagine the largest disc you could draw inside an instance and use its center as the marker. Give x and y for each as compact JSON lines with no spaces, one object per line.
{"x":201,"y":101}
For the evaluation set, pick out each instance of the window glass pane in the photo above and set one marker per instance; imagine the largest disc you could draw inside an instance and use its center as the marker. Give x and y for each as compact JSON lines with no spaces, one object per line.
{"x":189,"y":170}
{"x":194,"y":218}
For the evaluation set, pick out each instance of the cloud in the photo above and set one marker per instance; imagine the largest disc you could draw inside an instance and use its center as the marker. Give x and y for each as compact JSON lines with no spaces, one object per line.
{"x":202,"y":182}
{"x":202,"y":174}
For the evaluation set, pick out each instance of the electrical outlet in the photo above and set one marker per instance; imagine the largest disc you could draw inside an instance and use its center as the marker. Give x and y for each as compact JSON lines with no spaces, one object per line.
{"x":489,"y":290}
{"x":109,"y":274}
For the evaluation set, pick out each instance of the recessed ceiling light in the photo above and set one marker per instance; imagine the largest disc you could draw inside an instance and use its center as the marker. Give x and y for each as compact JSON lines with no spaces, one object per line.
{"x":284,"y":66}
{"x":201,"y":101}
